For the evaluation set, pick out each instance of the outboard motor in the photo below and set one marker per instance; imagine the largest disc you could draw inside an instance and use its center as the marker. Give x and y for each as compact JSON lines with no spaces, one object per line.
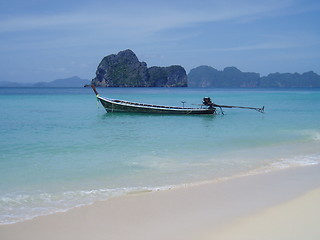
{"x":207,"y":101}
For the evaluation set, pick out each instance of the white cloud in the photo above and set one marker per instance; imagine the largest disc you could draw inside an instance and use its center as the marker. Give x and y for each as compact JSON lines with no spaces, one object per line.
{"x":259,"y":46}
{"x":26,"y":23}
{"x":147,"y":18}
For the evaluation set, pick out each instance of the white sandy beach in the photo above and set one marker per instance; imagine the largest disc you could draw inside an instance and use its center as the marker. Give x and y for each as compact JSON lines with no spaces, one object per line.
{"x":278,"y":205}
{"x":294,"y":220}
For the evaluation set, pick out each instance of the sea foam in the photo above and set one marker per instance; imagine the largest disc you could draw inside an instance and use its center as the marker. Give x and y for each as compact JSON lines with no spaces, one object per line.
{"x":18,"y":207}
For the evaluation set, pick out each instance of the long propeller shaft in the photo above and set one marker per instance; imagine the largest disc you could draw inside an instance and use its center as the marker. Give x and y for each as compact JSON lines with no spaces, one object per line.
{"x":224,"y":106}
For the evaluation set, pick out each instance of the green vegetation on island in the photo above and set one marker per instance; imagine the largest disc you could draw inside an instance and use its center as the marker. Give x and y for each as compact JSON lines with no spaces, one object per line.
{"x":231,"y":77}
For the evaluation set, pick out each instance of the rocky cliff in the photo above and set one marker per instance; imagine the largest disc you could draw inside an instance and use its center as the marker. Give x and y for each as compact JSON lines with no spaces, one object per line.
{"x":173,"y":76}
{"x":125,"y":70}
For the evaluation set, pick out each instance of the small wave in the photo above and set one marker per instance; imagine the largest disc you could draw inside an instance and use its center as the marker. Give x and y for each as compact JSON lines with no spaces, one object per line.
{"x":298,"y":161}
{"x":311,"y":134}
{"x":18,"y":207}
{"x":285,"y":163}
{"x":316,"y":137}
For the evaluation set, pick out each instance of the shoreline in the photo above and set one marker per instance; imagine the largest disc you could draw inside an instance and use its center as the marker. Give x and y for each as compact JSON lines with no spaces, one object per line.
{"x":274,"y":166}
{"x":178,"y":213}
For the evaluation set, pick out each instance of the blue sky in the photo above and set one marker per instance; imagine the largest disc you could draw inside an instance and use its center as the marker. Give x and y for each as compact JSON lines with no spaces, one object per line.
{"x":42,"y":40}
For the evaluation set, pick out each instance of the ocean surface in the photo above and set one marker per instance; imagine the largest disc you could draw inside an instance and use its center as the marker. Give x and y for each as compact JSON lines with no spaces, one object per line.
{"x":59,"y":149}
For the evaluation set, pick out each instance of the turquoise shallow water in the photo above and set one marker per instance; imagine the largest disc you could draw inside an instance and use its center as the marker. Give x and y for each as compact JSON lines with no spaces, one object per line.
{"x":60,"y":149}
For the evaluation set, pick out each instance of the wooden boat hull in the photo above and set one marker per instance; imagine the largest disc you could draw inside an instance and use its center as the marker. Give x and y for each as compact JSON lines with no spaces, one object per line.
{"x":113,"y":105}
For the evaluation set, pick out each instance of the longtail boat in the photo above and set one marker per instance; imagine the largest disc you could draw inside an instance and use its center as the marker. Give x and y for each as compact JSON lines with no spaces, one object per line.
{"x":115,"y":105}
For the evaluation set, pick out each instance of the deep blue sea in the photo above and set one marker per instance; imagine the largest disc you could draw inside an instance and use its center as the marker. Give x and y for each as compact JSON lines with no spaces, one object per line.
{"x":60,"y":149}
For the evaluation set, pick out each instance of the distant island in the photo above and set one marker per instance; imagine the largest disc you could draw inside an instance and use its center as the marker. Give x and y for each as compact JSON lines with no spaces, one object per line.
{"x":125,"y":70}
{"x":66,"y":82}
{"x":231,"y":77}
